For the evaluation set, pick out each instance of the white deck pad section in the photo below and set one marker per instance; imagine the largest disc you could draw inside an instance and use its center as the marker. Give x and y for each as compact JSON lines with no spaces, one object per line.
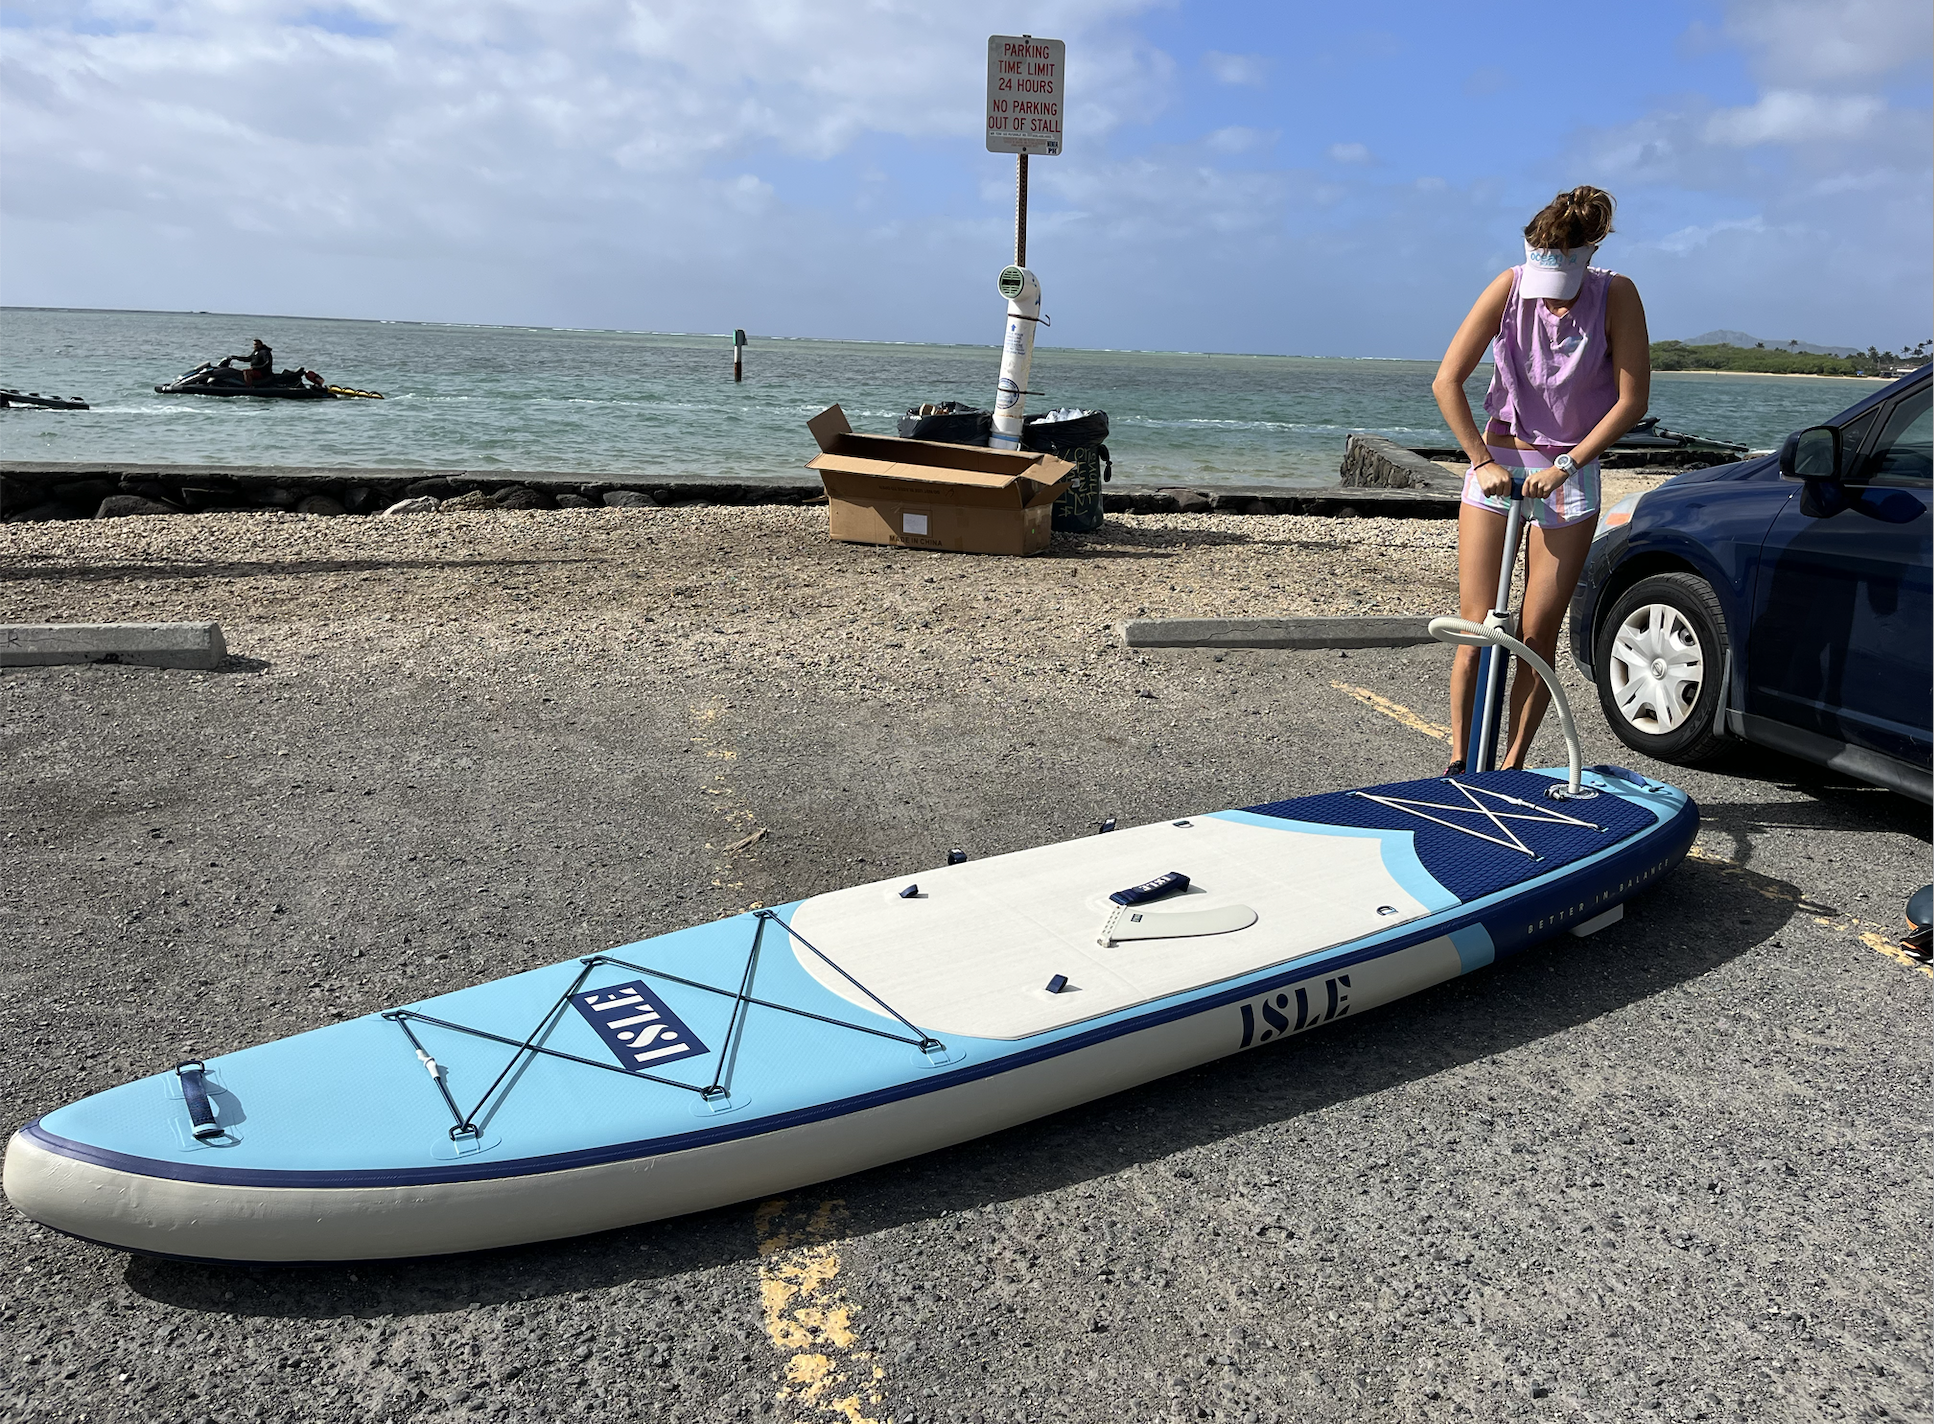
{"x":973,"y":951}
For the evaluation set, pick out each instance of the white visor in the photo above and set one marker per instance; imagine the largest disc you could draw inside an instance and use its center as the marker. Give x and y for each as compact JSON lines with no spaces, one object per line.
{"x":1555,"y":272}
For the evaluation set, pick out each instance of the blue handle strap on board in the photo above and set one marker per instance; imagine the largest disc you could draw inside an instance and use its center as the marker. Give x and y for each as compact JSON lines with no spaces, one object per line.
{"x":1161,"y":887}
{"x":194,"y":1093}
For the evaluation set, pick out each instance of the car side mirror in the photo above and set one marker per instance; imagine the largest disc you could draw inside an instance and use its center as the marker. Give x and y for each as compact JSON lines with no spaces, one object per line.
{"x":1811,"y":454}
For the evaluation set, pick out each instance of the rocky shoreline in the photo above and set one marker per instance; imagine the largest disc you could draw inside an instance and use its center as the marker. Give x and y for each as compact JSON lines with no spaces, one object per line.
{"x":42,"y":492}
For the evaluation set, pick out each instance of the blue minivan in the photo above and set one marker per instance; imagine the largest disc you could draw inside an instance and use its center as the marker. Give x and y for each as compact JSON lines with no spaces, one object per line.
{"x":1786,"y":601}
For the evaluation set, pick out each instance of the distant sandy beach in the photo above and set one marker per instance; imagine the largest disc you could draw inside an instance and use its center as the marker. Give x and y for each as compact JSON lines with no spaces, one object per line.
{"x":1782,"y":376}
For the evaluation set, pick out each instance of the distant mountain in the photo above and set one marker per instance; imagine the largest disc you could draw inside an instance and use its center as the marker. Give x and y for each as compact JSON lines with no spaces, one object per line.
{"x":1740,"y":338}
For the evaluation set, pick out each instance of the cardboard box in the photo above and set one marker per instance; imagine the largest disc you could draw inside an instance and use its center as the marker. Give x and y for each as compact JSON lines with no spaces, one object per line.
{"x":921,"y":494}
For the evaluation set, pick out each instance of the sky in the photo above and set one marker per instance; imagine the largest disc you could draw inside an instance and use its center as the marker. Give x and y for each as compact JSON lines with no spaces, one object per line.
{"x":1258,"y":175}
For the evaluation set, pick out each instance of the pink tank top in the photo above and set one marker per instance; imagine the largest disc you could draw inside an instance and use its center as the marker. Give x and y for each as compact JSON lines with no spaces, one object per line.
{"x":1554,"y":379}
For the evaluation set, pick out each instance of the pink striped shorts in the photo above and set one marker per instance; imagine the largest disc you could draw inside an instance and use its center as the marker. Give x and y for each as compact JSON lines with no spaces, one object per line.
{"x":1573,"y":502}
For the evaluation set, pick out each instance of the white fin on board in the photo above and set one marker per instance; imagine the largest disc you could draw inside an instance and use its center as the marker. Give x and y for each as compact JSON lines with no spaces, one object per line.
{"x":1130,"y":923}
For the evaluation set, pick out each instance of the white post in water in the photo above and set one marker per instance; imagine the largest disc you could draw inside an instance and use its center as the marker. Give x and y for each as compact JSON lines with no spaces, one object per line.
{"x":1023,"y":295}
{"x":1024,"y":98}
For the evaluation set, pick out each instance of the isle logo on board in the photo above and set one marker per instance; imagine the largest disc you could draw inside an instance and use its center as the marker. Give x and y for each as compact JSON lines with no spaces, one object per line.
{"x":1288,"y":1011}
{"x":636,"y":1025}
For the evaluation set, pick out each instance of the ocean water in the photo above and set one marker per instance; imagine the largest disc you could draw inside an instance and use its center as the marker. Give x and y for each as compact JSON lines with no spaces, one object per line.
{"x":521,"y":398}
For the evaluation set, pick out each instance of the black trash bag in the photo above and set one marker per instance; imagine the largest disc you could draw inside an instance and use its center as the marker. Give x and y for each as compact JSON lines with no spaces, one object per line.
{"x":949,"y":422}
{"x":1082,"y":439}
{"x":1044,"y":432}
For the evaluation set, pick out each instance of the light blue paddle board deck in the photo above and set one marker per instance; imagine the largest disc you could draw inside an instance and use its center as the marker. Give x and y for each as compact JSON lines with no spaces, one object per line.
{"x":768,"y":1050}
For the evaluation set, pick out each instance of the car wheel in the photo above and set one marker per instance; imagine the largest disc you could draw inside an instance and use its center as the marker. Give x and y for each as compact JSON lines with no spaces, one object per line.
{"x":1662,"y":665}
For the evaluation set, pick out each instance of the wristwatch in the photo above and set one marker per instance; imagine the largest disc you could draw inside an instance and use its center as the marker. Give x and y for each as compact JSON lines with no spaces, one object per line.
{"x":1567,"y":464}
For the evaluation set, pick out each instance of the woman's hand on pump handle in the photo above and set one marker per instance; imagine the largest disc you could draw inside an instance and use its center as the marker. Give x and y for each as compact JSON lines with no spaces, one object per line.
{"x":1540,"y":483}
{"x":1494,"y":479}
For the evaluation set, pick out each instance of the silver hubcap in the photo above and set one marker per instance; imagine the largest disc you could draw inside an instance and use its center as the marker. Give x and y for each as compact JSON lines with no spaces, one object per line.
{"x":1657,"y":668}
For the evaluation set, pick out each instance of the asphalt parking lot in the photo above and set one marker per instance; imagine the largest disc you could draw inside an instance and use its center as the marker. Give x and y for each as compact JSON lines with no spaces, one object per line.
{"x":1677,"y":1170}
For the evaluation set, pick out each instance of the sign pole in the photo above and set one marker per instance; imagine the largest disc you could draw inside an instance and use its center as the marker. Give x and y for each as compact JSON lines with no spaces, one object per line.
{"x":1025,"y":102}
{"x":1020,"y":209}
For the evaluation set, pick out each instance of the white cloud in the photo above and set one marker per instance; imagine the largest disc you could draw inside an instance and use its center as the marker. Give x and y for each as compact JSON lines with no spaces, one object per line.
{"x":1793,"y":116}
{"x":1687,"y":238}
{"x":1809,"y":44}
{"x":1808,"y":209}
{"x":381,"y":154}
{"x":1237,"y":68}
{"x":680,"y":164}
{"x":1166,"y":196}
{"x":477,"y":89}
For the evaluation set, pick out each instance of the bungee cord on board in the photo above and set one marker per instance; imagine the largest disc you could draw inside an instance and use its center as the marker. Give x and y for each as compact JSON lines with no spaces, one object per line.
{"x":466,"y":1124}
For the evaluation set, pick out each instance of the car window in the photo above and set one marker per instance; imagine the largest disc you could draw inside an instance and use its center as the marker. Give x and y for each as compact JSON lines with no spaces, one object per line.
{"x":1904,"y":454}
{"x":1853,"y":436}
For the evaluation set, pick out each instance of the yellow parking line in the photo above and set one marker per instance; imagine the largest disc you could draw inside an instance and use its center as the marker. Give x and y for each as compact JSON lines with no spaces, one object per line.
{"x":808,"y":1316}
{"x":1394,"y":710}
{"x":1874,"y":936}
{"x":1881,"y":944}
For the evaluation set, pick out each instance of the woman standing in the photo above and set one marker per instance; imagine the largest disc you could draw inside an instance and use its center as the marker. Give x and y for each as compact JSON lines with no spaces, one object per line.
{"x":1573,"y":373}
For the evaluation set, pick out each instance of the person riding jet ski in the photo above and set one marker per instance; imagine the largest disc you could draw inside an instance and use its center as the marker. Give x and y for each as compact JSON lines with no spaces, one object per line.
{"x":261,"y":363}
{"x":257,"y":378}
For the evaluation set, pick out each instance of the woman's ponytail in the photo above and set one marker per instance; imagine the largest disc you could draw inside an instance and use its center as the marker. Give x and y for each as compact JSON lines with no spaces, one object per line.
{"x":1580,"y":217}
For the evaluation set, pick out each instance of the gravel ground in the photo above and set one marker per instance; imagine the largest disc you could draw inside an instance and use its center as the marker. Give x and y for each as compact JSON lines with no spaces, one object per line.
{"x":1675,"y":1171}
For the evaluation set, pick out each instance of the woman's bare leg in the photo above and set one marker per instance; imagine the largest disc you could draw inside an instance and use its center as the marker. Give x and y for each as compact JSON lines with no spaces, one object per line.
{"x":1557,"y":558}
{"x":1480,"y":547}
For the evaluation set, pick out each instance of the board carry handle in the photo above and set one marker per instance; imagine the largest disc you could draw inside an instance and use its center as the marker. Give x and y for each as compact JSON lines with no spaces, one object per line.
{"x":1477,"y":635}
{"x":194,"y":1095}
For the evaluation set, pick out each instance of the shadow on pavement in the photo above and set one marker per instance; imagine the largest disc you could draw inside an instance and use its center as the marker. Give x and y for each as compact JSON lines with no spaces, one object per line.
{"x":1834,"y":802}
{"x":1704,"y":915}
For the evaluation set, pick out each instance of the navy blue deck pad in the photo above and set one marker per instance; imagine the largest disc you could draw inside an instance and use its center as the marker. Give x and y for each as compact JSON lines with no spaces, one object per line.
{"x":637,"y":1026}
{"x":1464,"y":863}
{"x":1511,"y":922}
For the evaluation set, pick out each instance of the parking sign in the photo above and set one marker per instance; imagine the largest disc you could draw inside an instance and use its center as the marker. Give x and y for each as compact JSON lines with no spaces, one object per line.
{"x":1025,"y":94}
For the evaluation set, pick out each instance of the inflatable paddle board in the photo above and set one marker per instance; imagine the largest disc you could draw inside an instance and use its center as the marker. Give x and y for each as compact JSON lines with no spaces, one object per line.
{"x":770,"y":1050}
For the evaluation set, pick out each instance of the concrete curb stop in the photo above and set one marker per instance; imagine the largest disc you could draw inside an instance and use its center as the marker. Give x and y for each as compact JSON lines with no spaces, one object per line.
{"x":168,"y":645}
{"x":1275,"y":632}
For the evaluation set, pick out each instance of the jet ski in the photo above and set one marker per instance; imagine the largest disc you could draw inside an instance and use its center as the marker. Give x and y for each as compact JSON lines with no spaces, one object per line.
{"x":1648,"y":434}
{"x":222,"y":379}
